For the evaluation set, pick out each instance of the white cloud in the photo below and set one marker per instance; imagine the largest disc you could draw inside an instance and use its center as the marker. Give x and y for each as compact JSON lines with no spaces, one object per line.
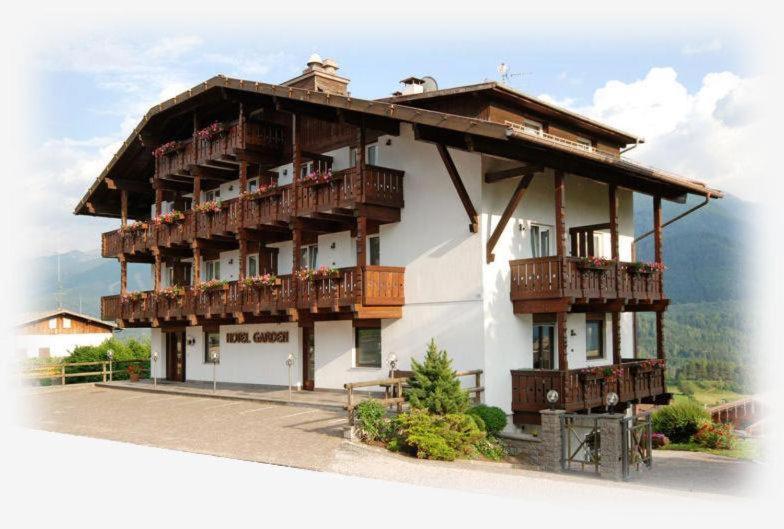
{"x":709,"y":46}
{"x":709,"y":135}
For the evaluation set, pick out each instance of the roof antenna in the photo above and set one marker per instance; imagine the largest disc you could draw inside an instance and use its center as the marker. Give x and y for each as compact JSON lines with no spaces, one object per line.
{"x":503,"y":71}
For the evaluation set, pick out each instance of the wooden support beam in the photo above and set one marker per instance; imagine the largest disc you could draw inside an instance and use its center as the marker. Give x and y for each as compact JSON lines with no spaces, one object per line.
{"x":158,"y":198}
{"x":296,"y":160}
{"x":243,"y":256}
{"x":473,"y":216}
{"x":123,"y":207}
{"x":123,"y":275}
{"x":196,"y":200}
{"x":196,"y":263}
{"x":560,"y":221}
{"x":660,"y":354}
{"x":122,"y":184}
{"x":560,"y":330}
{"x":657,"y":238}
{"x":524,"y":170}
{"x":616,"y":337}
{"x":514,"y":201}
{"x":157,"y":271}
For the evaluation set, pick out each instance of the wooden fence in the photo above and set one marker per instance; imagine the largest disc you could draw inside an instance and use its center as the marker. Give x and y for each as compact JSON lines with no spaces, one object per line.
{"x":64,"y":371}
{"x":393,"y":389}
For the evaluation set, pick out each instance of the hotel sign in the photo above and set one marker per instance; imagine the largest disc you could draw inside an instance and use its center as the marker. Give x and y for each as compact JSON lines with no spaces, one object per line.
{"x":258,"y":337}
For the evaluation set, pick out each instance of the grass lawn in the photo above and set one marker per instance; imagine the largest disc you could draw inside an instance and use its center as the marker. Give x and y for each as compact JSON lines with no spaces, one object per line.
{"x":744,"y":449}
{"x":706,"y":393}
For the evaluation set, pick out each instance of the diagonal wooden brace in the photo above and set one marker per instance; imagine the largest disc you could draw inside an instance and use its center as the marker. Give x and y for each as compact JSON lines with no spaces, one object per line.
{"x":473,"y":216}
{"x":522,"y":187}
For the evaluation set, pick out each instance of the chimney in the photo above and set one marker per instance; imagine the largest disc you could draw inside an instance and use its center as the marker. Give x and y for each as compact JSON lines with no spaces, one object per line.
{"x":413,"y":85}
{"x":320,"y":76}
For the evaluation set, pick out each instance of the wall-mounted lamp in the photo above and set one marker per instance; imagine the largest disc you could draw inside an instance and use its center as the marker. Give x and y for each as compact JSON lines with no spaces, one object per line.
{"x":572,"y":332}
{"x":231,"y":261}
{"x":231,"y":187}
{"x":191,"y":340}
{"x":332,"y":245}
{"x":389,"y":141}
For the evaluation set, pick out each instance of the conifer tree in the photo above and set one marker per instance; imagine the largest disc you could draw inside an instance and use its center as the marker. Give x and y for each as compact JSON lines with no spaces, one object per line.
{"x":434,"y":386}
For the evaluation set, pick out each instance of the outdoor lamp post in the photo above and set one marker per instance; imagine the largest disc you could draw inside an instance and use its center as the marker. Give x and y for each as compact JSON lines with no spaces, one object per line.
{"x":290,"y":364}
{"x":110,"y":355}
{"x":214,"y":358}
{"x":392,"y":359}
{"x":552,"y":398}
{"x":611,"y":400}
{"x":155,"y":369}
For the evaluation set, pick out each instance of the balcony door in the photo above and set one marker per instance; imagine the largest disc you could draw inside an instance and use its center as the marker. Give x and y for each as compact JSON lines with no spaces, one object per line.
{"x":543,"y":342}
{"x":308,"y":358}
{"x":175,"y":356}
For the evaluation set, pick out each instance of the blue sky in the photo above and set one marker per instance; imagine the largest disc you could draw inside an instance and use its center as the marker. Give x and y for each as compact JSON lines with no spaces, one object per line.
{"x":685,"y":88}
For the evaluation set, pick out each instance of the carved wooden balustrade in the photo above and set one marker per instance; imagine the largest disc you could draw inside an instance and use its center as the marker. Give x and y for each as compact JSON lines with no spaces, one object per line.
{"x":582,"y":389}
{"x":238,"y":136}
{"x":544,"y":278}
{"x":379,"y":186}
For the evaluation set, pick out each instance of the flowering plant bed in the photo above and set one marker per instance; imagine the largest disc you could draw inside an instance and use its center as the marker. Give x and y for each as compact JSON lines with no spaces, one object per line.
{"x":172,"y":292}
{"x":322,"y":272}
{"x":318,"y":177}
{"x":167,"y":148}
{"x":211,"y":131}
{"x":594,"y":263}
{"x":264,"y":280}
{"x":213,"y":206}
{"x":260,"y":192}
{"x":130,"y":297}
{"x":134,"y":227}
{"x":610,"y":374}
{"x":169,"y":218}
{"x":650,"y":364}
{"x":213,"y":285}
{"x":640,"y":267}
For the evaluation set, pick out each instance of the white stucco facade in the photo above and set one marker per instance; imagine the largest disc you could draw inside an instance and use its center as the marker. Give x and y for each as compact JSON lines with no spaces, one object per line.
{"x":451,"y":293}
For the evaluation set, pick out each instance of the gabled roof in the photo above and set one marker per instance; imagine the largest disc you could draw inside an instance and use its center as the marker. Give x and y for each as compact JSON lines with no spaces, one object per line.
{"x":530,"y":101}
{"x":496,"y":133}
{"x":33,"y":317}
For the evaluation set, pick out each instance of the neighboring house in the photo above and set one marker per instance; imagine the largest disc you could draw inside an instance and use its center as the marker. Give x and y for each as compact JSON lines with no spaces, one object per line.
{"x":57,"y":332}
{"x":466,"y":215}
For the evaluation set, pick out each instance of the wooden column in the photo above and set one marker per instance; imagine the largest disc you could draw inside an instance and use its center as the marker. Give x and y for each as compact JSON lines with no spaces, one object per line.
{"x":157,"y":270}
{"x":616,"y":255}
{"x":243,"y":255}
{"x":560,"y":330}
{"x":360,"y":181}
{"x":560,"y":221}
{"x":196,"y":264}
{"x":296,"y":160}
{"x":158,"y":199}
{"x":659,"y":258}
{"x":296,"y":235}
{"x":196,"y":189}
{"x":123,"y":275}
{"x":361,"y":241}
{"x":123,"y":208}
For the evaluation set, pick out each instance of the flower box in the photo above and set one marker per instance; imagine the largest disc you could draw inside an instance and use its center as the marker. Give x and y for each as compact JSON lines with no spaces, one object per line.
{"x":134,"y":227}
{"x":169,"y":218}
{"x":172,"y":293}
{"x":133,"y":297}
{"x":211,"y":207}
{"x":165,"y":149}
{"x":316,"y":178}
{"x":266,"y":280}
{"x":211,"y":131}
{"x":261,"y":192}
{"x":642,"y":268}
{"x":213,"y":285}
{"x":594,"y":264}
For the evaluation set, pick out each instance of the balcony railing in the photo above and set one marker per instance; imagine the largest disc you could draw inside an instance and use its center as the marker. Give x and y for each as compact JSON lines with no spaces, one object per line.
{"x":369,"y":286}
{"x":380,"y":186}
{"x":566,"y":277}
{"x":581,"y":389}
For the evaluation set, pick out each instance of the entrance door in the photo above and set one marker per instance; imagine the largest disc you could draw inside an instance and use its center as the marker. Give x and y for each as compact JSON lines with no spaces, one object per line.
{"x":308,"y":358}
{"x":175,"y":356}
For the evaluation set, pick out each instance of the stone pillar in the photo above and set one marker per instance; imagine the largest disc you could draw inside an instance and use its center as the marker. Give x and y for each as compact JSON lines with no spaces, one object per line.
{"x":550,"y":458}
{"x":611,"y":464}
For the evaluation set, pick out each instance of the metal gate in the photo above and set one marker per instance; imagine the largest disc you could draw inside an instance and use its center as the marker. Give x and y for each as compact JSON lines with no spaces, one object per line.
{"x":581,"y":439}
{"x":636,"y":442}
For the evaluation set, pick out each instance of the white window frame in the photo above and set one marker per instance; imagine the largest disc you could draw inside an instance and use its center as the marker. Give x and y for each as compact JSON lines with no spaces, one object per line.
{"x":536,"y":230}
{"x":210,"y":268}
{"x":308,"y":257}
{"x":212,"y":194}
{"x":352,"y":155}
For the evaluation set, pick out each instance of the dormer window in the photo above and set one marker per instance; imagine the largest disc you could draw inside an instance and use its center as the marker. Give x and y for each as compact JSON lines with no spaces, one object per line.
{"x":533,"y":126}
{"x":584,"y":142}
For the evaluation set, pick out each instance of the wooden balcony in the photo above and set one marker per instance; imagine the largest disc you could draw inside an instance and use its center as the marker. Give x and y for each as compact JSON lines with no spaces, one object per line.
{"x":365,"y":292}
{"x":381,"y":189}
{"x":233,"y":139}
{"x":552,"y":284}
{"x":583,"y":390}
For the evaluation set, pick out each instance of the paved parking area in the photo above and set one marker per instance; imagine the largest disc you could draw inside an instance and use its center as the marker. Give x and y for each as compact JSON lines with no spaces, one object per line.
{"x":304,"y":437}
{"x":312,"y":438}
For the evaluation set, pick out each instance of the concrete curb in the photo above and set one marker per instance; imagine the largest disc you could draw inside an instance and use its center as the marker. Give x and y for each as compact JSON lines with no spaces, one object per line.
{"x":190,"y":393}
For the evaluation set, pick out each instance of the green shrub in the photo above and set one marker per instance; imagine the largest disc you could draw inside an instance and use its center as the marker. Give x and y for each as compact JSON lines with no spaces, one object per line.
{"x":442,"y":437}
{"x":718,"y":436}
{"x":125,"y":353}
{"x":491,"y":448}
{"x":371,"y":420}
{"x":680,"y":421}
{"x":493,"y":418}
{"x":434,"y":386}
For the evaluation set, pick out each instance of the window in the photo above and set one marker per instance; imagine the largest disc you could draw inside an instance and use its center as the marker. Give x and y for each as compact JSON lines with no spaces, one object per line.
{"x":170,"y":276}
{"x":544,"y":345}
{"x":253,"y":185}
{"x":212,"y":194}
{"x":352,"y":157}
{"x":308,"y":256}
{"x":211,"y":345}
{"x":253,"y":265}
{"x":368,"y":344}
{"x":533,"y":126}
{"x":375,"y":250}
{"x":211,"y":270}
{"x":585,"y":142}
{"x":598,"y":245}
{"x":53,"y":323}
{"x":540,"y":240}
{"x":305,"y":169}
{"x":66,"y":323}
{"x":372,"y":155}
{"x":594,"y":337}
